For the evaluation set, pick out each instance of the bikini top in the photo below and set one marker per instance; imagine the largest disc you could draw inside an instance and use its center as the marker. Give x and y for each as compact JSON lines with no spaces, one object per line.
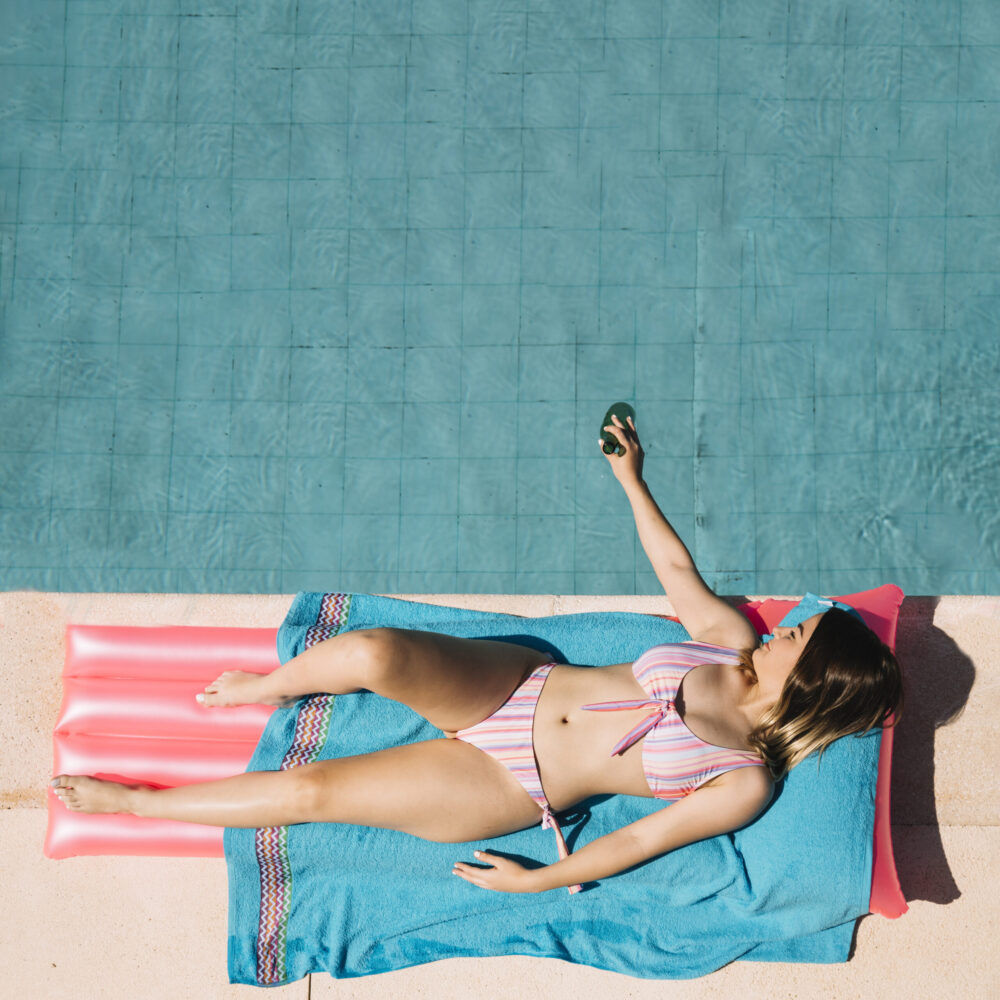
{"x":674,"y":760}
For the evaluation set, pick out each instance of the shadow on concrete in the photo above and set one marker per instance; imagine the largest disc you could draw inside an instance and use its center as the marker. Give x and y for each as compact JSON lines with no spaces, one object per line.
{"x":938,"y":677}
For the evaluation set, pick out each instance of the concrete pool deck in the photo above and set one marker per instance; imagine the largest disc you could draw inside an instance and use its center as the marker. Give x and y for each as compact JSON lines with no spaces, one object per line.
{"x":114,"y":927}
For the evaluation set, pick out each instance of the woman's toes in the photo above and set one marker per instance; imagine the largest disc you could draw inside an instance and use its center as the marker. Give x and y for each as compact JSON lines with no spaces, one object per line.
{"x":210,"y":696}
{"x":66,"y":796}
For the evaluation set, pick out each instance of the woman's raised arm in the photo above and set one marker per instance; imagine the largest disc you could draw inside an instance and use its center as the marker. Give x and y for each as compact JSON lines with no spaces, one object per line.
{"x":706,"y":616}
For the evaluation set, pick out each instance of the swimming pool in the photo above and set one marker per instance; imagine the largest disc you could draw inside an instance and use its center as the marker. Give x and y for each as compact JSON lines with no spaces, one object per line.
{"x":334,"y":295}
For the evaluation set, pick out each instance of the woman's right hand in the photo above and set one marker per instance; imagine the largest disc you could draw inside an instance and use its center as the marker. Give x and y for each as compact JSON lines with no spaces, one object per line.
{"x":627,"y":468}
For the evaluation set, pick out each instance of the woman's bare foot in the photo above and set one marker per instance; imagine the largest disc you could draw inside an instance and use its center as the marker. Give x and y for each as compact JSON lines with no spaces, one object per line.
{"x":92,"y":795}
{"x":240,"y":687}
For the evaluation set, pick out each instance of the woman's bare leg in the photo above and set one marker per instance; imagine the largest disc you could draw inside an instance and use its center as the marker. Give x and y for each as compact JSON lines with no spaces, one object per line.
{"x":438,"y":787}
{"x":443,"y":790}
{"x":257,"y":798}
{"x":340,"y":663}
{"x":452,"y":682}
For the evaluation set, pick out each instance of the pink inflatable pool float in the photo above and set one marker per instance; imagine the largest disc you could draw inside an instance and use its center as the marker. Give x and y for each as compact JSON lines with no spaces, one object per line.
{"x":129,"y":714}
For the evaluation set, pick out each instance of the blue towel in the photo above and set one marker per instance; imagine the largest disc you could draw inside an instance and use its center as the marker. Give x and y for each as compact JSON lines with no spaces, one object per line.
{"x":355,"y":901}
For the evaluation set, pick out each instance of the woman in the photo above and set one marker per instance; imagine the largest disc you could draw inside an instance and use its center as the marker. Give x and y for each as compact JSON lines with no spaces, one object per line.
{"x":709,"y":725}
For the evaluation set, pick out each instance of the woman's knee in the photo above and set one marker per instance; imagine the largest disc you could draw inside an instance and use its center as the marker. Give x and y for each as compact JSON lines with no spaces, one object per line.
{"x":377,"y":656}
{"x":308,"y":791}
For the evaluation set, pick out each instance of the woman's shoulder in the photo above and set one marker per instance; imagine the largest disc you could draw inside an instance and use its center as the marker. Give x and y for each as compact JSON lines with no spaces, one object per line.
{"x":734,"y":632}
{"x":753,"y":781}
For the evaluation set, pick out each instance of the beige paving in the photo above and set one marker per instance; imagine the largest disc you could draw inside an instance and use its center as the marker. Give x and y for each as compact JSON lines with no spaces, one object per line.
{"x":150,"y":927}
{"x":109,"y":927}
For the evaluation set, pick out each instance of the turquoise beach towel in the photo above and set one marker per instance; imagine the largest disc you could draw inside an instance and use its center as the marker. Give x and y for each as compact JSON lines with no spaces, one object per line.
{"x":355,"y":901}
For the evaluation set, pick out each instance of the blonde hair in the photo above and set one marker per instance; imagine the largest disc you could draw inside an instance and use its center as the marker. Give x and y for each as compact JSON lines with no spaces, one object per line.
{"x":845,"y":681}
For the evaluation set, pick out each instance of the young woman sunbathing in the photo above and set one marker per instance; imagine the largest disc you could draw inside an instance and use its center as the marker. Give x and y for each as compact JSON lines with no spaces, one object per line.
{"x":708,"y":725}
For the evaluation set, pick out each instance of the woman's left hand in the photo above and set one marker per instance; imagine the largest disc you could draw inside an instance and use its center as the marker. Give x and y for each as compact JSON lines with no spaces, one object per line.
{"x":627,"y":467}
{"x":504,"y":876}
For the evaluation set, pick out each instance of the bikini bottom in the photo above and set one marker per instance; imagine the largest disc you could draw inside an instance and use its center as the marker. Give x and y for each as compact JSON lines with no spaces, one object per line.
{"x":507,"y":737}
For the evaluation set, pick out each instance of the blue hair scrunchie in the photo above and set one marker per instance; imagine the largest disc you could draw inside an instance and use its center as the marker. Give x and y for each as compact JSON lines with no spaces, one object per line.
{"x":811,"y":605}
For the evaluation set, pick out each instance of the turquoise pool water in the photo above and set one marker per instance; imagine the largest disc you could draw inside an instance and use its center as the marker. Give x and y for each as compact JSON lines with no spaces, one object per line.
{"x":334,"y":295}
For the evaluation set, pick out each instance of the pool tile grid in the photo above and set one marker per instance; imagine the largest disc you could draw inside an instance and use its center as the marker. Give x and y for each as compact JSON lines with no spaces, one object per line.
{"x":253,"y":338}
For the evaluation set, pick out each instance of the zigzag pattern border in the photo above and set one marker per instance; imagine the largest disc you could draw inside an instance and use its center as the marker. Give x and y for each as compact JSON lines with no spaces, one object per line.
{"x":271,"y":843}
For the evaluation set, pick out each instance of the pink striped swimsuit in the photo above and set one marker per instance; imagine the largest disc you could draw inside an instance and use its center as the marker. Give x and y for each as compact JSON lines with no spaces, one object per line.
{"x":675,"y":761}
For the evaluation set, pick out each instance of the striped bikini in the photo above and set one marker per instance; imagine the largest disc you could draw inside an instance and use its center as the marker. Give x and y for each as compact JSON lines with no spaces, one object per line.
{"x":674,"y":760}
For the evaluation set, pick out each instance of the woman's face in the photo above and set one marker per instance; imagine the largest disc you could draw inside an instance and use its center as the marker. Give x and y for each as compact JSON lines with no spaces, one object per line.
{"x":775,"y":660}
